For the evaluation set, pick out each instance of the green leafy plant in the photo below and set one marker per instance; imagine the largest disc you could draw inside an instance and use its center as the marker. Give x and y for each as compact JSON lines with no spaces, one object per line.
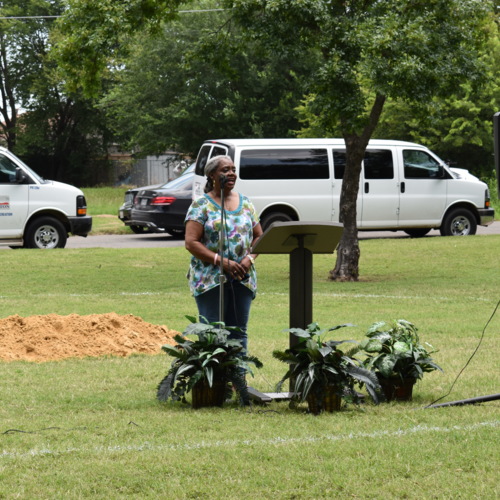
{"x":393,"y":350}
{"x":316,"y":363}
{"x":213,"y":355}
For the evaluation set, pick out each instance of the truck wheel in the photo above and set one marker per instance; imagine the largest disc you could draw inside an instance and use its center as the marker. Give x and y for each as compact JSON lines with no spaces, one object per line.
{"x":45,"y":233}
{"x":459,"y":222}
{"x":268,"y":219}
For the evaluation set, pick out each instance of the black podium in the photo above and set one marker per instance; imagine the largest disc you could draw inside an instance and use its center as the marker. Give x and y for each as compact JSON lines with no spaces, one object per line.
{"x":300,"y":240}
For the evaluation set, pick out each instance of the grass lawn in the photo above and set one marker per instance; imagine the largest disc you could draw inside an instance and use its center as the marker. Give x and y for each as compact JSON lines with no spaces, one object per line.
{"x":92,"y":428}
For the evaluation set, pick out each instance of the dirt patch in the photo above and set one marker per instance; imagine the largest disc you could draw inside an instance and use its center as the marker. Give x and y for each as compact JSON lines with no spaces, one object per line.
{"x":51,"y":337}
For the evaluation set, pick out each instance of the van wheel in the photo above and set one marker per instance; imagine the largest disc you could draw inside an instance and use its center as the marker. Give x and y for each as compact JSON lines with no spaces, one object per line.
{"x":459,"y":222}
{"x":45,"y":233}
{"x":417,"y":232}
{"x":268,"y":219}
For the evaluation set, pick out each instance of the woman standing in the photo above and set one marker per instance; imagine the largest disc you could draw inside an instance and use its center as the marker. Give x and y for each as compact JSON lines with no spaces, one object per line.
{"x":202,"y":241}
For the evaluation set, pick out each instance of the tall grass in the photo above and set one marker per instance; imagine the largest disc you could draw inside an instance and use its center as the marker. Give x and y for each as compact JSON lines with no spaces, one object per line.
{"x":91,"y":428}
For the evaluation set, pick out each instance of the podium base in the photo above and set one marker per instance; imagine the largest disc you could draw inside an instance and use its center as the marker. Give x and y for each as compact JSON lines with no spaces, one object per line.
{"x":267,"y":397}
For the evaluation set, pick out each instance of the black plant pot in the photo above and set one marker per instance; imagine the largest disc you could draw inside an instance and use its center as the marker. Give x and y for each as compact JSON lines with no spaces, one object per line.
{"x":204,"y":396}
{"x":396,"y":389}
{"x":326,"y":399}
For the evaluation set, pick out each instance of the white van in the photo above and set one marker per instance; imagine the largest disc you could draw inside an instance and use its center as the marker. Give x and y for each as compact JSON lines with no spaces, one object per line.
{"x":403,"y":186}
{"x":36,"y":213}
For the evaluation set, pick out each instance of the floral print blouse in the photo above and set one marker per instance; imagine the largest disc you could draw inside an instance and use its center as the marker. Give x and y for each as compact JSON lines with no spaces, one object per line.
{"x":204,"y":276}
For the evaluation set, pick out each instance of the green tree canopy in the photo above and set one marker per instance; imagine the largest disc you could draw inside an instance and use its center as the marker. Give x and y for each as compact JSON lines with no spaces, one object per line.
{"x":372,"y":50}
{"x":458,"y":127}
{"x":57,"y":133}
{"x":93,"y":36}
{"x":22,"y":48}
{"x":198,"y":79}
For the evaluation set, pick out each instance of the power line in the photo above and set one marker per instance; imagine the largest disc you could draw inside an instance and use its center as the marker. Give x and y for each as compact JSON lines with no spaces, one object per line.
{"x":57,"y":17}
{"x":28,"y":17}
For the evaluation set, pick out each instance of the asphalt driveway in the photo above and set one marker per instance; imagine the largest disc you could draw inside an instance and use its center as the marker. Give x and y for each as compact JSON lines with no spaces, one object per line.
{"x":161,"y":240}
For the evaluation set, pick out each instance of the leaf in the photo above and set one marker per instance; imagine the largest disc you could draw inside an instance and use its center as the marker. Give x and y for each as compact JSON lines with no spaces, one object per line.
{"x":373,"y":345}
{"x":386,"y":365}
{"x":330,"y":369}
{"x":401,"y":347}
{"x":299,"y":332}
{"x":164,"y":388}
{"x":331,"y":329}
{"x":325,"y":350}
{"x":375,"y":328}
{"x":181,"y":370}
{"x":172,"y":350}
{"x":219,"y":350}
{"x":209,"y":360}
{"x":256,"y":361}
{"x":308,"y":383}
{"x":209,"y":372}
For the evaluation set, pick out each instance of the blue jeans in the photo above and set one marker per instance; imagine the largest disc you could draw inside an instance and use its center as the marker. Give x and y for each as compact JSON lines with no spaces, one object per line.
{"x":237,"y":301}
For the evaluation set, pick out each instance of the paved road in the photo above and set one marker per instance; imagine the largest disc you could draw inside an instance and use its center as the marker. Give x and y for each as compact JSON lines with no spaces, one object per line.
{"x":162,"y":240}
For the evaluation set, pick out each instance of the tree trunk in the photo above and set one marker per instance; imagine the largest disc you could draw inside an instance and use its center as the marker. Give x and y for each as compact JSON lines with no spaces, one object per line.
{"x":348,"y":253}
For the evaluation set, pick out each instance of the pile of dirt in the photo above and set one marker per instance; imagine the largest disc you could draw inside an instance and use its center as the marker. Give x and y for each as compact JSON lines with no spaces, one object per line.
{"x":51,"y":337}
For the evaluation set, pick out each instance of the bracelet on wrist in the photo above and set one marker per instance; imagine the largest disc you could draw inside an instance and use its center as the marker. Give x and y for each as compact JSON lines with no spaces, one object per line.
{"x":215,"y":259}
{"x":252,"y":260}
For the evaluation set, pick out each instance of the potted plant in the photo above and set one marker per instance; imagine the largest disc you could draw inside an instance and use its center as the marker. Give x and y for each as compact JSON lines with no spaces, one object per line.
{"x":321,"y":373}
{"x":394,"y":352}
{"x":207,"y":366}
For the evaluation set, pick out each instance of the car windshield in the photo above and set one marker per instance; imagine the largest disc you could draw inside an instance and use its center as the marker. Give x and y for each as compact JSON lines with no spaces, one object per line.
{"x":181,"y":181}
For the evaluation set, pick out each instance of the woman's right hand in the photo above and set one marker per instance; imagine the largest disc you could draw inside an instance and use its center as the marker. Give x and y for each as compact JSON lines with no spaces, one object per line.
{"x":234,"y":269}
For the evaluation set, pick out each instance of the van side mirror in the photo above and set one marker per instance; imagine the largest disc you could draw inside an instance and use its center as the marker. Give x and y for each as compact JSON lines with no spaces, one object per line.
{"x":21,"y":177}
{"x":440,"y":172}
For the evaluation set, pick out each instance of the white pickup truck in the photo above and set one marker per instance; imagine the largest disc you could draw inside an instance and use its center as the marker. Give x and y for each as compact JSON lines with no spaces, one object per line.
{"x":37,"y":213}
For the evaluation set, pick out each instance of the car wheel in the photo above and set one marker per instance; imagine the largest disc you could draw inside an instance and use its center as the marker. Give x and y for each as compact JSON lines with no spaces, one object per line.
{"x":175,"y":233}
{"x":417,"y":232}
{"x":459,"y":222}
{"x":140,"y":229}
{"x":268,"y":219}
{"x":45,"y":233}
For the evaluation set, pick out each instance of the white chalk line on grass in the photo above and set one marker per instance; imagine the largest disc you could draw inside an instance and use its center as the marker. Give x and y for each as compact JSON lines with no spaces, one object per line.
{"x":385,"y":296}
{"x":280,"y":294}
{"x":237,"y":443}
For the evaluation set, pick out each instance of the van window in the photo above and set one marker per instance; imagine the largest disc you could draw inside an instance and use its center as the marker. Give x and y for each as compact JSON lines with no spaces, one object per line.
{"x":284,"y":164}
{"x":203,"y":157}
{"x":377,"y":164}
{"x":420,"y":165}
{"x":339,"y":161}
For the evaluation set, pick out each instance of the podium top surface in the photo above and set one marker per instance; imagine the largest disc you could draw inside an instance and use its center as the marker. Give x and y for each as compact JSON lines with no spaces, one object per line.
{"x":284,"y":237}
